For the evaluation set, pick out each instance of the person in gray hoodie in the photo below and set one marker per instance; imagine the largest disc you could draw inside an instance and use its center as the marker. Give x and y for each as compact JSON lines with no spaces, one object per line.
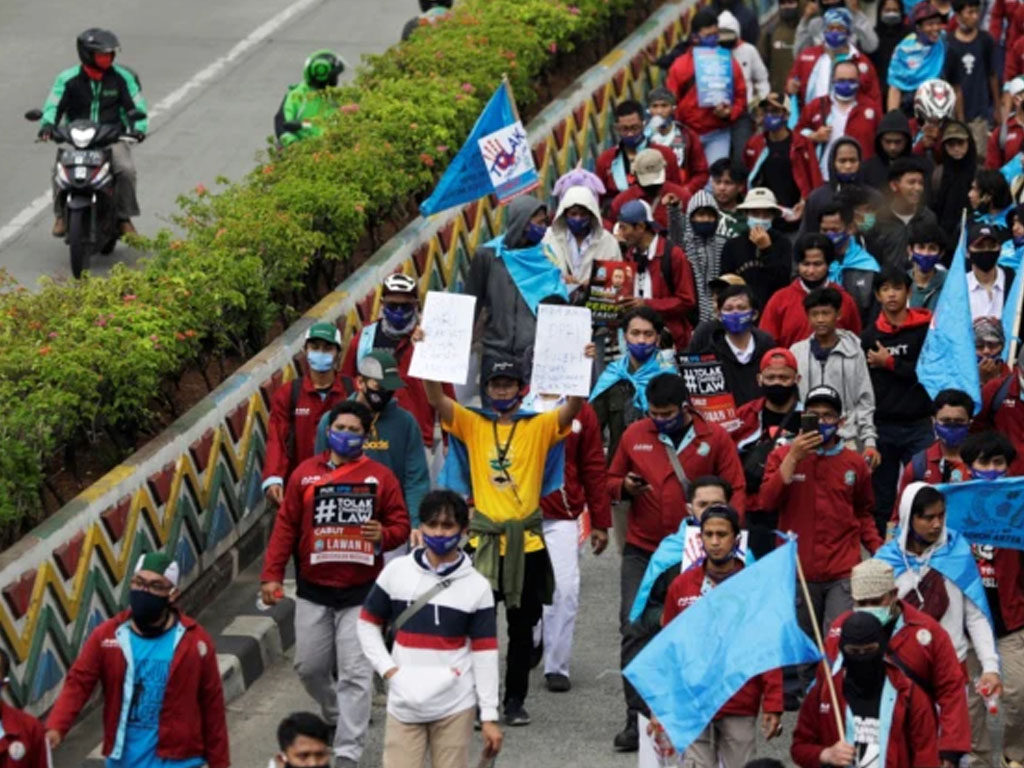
{"x":832,"y":356}
{"x":509,"y":276}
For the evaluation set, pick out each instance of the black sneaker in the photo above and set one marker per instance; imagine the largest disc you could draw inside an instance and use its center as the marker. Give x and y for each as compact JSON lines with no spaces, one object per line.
{"x":515,"y":714}
{"x":628,"y":739}
{"x":557,"y":683}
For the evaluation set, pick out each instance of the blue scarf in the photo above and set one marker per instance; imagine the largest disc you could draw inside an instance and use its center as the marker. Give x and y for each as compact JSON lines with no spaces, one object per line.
{"x":619,"y":371}
{"x":533,"y":271}
{"x":1010,"y":256}
{"x":455,"y":474}
{"x":954,"y":561}
{"x":854,"y":258}
{"x":1013,"y":168}
{"x":619,"y":175}
{"x":912,"y":62}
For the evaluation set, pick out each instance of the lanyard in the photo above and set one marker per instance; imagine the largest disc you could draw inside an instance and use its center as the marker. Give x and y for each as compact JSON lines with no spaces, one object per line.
{"x":502,"y":451}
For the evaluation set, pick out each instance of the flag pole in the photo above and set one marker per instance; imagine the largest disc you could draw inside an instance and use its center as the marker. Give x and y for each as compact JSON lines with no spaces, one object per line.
{"x":511,"y":96}
{"x":821,"y":648}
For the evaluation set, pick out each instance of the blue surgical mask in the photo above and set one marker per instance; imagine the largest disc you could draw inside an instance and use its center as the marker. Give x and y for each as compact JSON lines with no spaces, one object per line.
{"x":399,"y":316}
{"x":442,"y":545}
{"x":504,"y":404}
{"x":578,"y":226}
{"x":836,"y":39}
{"x":707,"y":41}
{"x":925,"y":261}
{"x":704,"y":229}
{"x":737,"y":322}
{"x":641,"y":352}
{"x":632,"y":141}
{"x":755,"y":221}
{"x":952,"y":434}
{"x":669,"y":426}
{"x":881,"y":612}
{"x":346,"y":444}
{"x":827,"y":431}
{"x":845,"y":178}
{"x":987,"y":474}
{"x":320,"y":362}
{"x":838,"y":239}
{"x":774,"y":122}
{"x":534,"y":232}
{"x":846,"y":89}
{"x":1018,"y":241}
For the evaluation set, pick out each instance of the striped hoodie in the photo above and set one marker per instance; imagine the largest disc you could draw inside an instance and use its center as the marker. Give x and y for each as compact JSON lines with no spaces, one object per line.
{"x":447,"y":653}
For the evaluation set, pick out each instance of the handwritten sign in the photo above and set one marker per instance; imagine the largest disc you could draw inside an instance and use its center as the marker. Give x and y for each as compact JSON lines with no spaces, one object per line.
{"x":443,"y":355}
{"x":560,"y":365}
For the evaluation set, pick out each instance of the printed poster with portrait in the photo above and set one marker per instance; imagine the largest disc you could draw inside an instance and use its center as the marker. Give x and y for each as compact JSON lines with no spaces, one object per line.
{"x":610,"y":282}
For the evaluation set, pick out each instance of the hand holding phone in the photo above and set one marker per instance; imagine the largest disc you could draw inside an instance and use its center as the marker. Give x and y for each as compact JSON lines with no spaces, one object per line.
{"x":634,"y":484}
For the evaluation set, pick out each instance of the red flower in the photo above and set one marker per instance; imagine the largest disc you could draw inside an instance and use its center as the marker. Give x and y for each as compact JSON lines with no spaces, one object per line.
{"x":200,"y":189}
{"x":427,"y":159}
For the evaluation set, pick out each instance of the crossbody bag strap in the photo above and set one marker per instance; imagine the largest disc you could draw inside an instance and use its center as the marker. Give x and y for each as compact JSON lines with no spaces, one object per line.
{"x":421,"y":601}
{"x":673,"y":458}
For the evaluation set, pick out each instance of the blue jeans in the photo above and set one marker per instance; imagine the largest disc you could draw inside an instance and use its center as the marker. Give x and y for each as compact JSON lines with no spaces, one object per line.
{"x":716,"y":144}
{"x":897,"y":444}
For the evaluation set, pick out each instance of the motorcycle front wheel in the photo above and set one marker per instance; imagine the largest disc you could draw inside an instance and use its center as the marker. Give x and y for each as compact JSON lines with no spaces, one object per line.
{"x":78,"y":241}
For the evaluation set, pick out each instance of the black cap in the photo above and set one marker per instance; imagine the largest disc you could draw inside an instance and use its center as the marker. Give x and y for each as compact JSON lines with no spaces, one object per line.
{"x":723,"y":511}
{"x":703,"y":18}
{"x":980,"y":230}
{"x":504,"y":366}
{"x":825,"y":394}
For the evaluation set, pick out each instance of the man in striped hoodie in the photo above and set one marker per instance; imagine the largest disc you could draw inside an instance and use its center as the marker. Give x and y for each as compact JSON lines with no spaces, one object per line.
{"x":444,"y":661}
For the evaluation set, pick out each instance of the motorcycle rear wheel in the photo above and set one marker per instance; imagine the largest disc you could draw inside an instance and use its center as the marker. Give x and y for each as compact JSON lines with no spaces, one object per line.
{"x":78,"y":241}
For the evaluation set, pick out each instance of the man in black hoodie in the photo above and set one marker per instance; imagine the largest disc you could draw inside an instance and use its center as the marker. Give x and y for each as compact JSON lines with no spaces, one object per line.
{"x":902,"y":406}
{"x":846,"y":168}
{"x":892,"y":139}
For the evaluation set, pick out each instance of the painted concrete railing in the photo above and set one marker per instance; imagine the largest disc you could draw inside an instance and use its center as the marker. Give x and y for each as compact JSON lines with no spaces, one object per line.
{"x":195,"y":490}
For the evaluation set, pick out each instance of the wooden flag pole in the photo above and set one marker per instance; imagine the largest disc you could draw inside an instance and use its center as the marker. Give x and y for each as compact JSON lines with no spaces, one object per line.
{"x":821,"y":647}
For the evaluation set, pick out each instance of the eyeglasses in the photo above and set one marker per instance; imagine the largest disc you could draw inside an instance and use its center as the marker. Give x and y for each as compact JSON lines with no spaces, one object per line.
{"x":155,"y":587}
{"x":629,"y":130}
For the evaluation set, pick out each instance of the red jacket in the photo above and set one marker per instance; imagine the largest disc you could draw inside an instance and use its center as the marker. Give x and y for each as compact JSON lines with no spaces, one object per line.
{"x":192,"y":718}
{"x":682,"y":82}
{"x":959,"y":472}
{"x":1000,"y":11}
{"x":785,"y":318}
{"x":657,"y":513}
{"x":997,"y":156}
{"x":747,"y":431}
{"x":21,"y":728}
{"x":802,"y":160}
{"x":922,"y":646}
{"x":1004,"y":567}
{"x":675,"y":304}
{"x":585,"y":485}
{"x":412,"y":397}
{"x":693,"y":173}
{"x":912,"y":732}
{"x":309,"y":409}
{"x":804,"y":63}
{"x":1008,"y":418}
{"x":294,"y":532}
{"x":603,"y":168}
{"x":763,"y":692}
{"x":659,"y":211}
{"x":861,"y":124}
{"x":829,"y":505}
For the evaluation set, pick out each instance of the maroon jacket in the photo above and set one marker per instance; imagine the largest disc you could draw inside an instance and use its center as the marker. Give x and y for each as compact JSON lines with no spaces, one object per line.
{"x":682,"y":81}
{"x":802,"y":160}
{"x":192,"y":717}
{"x":657,"y":513}
{"x":997,"y":156}
{"x":761,"y":693}
{"x":21,"y":728}
{"x":309,"y":409}
{"x":785,"y":318}
{"x":862,"y":123}
{"x":912,"y":733}
{"x":674,"y":303}
{"x":828,"y":505}
{"x":959,"y":472}
{"x":293,"y":529}
{"x":585,"y":485}
{"x":659,"y":211}
{"x":603,"y":169}
{"x":803,"y":67}
{"x":1008,"y":418}
{"x":1005,"y":567}
{"x":923,"y":647}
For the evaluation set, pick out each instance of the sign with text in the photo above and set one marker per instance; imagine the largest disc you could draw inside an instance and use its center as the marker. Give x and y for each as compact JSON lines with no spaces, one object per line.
{"x":709,"y":395}
{"x":447,"y":323}
{"x":339,"y":511}
{"x":610,"y":281}
{"x":560,"y":364}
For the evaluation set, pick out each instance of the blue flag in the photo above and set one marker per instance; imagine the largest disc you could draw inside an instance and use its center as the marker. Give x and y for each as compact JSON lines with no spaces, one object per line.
{"x":495,"y":158}
{"x":948,"y":359}
{"x":742,"y":628}
{"x":1010,"y":311}
{"x":987,"y":511}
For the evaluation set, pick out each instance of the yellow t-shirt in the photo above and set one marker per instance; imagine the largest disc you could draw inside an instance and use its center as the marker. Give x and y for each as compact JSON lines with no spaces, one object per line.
{"x":524,"y":461}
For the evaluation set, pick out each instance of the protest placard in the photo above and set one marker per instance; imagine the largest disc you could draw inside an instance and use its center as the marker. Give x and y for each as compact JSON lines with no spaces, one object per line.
{"x":560,"y":365}
{"x":447,"y":324}
{"x":339,"y":511}
{"x":709,"y":395}
{"x":610,"y":281}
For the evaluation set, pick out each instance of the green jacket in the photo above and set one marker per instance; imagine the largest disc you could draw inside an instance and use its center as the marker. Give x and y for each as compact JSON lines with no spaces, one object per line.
{"x":76,"y":96}
{"x":302,"y":103}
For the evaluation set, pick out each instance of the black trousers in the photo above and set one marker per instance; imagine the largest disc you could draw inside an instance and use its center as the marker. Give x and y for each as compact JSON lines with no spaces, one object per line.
{"x":520,"y":622}
{"x":634,"y":563}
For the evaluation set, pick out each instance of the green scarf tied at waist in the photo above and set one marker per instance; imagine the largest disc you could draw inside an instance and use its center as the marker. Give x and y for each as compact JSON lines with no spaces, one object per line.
{"x":487,"y":557}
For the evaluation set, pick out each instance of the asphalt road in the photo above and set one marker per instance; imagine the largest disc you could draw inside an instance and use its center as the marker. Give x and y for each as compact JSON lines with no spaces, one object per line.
{"x":215,"y":128}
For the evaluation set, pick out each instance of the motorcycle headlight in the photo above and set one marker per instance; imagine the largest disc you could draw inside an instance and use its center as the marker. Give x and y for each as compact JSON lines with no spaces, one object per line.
{"x":82,"y":137}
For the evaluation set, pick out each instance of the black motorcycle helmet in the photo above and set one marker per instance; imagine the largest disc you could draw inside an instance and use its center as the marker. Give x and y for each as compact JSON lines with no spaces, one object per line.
{"x":95,"y":40}
{"x":426,"y":5}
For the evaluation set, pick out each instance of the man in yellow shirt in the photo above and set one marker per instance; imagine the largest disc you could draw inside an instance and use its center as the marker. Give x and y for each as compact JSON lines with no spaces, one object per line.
{"x":506,"y":460}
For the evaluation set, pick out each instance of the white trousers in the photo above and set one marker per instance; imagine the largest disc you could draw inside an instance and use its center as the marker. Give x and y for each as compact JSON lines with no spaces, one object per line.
{"x":561,"y":537}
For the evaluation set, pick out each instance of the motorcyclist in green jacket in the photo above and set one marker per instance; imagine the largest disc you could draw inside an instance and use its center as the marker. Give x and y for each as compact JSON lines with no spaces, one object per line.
{"x":309,"y":99}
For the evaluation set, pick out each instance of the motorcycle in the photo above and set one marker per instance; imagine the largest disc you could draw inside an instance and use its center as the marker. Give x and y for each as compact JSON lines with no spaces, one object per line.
{"x":85,"y":183}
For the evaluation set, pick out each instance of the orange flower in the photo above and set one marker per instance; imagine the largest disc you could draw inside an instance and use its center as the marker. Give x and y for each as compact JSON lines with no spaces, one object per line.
{"x":427,"y":159}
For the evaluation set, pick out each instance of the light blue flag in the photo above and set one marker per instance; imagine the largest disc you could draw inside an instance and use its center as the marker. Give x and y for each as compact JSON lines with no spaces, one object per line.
{"x":742,"y":628}
{"x":1010,"y":312}
{"x":948,"y":359}
{"x":987,"y":511}
{"x":495,"y":158}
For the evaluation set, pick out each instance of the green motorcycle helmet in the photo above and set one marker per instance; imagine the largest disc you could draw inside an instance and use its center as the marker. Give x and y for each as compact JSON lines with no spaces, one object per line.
{"x":322,"y":69}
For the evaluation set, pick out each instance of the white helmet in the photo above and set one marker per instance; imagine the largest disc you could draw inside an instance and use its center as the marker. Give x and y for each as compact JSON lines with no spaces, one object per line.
{"x":934,"y":100}
{"x":399,"y":283}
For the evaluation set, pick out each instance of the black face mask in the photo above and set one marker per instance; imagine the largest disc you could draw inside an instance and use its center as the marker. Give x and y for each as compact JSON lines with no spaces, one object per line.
{"x":865,"y":672}
{"x":779,"y":394}
{"x":984,"y":260}
{"x":651,"y":191}
{"x":149,"y":611}
{"x":378,"y":398}
{"x":812,"y":284}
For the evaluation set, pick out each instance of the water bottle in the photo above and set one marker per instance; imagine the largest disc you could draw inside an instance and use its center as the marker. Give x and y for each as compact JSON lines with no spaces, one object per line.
{"x":262,"y":606}
{"x":991,"y":699}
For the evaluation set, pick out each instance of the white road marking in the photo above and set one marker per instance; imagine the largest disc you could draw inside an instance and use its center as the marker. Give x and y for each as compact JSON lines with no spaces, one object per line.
{"x":13,"y":228}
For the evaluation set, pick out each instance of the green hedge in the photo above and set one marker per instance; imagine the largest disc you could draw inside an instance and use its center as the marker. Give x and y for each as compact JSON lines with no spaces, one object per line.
{"x":94,"y":358}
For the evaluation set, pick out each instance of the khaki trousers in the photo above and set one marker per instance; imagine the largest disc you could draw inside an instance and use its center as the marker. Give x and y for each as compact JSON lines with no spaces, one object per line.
{"x":448,"y":740}
{"x":1011,"y":704}
{"x":730,"y":739}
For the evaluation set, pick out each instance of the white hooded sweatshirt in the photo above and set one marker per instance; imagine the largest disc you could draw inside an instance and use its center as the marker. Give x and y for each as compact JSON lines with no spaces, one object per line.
{"x":573,"y":257}
{"x":963,"y":619}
